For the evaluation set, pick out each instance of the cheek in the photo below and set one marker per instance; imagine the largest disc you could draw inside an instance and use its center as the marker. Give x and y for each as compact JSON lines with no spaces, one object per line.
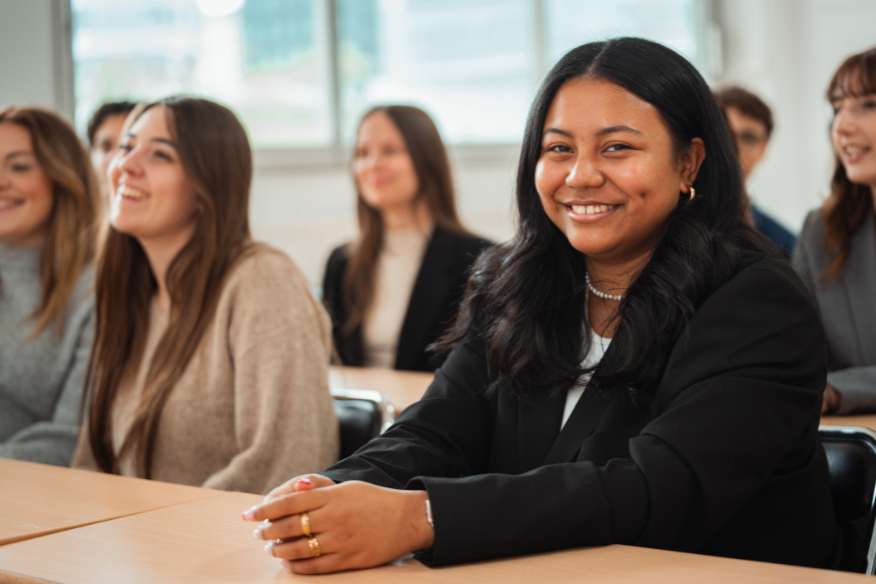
{"x":548,"y":178}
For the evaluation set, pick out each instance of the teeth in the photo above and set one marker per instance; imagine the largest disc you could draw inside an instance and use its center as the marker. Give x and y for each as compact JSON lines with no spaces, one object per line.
{"x":8,"y":203}
{"x":853,"y":151}
{"x":591,"y":209}
{"x":129,"y":192}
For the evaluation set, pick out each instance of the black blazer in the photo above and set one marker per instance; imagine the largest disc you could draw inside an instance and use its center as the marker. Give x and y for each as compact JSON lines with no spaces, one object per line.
{"x":724,"y":460}
{"x":435,"y":299}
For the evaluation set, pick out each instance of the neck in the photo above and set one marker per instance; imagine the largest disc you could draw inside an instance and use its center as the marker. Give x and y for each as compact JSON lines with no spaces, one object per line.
{"x":615,"y":277}
{"x":161,"y":252}
{"x":410,"y":216}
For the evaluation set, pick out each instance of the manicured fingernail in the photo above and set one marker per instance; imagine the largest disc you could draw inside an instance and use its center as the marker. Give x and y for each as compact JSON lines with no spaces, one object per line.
{"x":249,"y":514}
{"x":257,"y":533}
{"x":269,"y":547}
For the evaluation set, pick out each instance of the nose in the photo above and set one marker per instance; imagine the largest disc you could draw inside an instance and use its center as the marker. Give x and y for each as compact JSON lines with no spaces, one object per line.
{"x":844,"y":122}
{"x":584,"y":174}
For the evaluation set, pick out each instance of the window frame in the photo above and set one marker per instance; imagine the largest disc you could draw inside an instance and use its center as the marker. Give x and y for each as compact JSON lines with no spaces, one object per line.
{"x":336,"y":154}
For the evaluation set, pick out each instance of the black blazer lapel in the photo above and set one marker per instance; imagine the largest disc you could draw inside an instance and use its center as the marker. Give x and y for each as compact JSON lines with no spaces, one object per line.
{"x":860,"y":284}
{"x":583,"y":421}
{"x":425,"y":304}
{"x":539,"y":423}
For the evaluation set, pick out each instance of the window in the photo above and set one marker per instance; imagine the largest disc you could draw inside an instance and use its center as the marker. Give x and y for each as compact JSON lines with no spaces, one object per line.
{"x":300,"y":72}
{"x":262,"y":58}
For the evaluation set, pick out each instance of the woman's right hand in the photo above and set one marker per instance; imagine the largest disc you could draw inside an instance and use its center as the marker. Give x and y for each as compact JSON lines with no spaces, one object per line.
{"x":305,"y":482}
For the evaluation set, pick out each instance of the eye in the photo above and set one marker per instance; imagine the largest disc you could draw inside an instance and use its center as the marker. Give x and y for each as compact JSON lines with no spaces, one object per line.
{"x":162,"y":155}
{"x":20,"y":167}
{"x":558,"y":148}
{"x":126,"y":147}
{"x":869,"y":103}
{"x":617,"y":147}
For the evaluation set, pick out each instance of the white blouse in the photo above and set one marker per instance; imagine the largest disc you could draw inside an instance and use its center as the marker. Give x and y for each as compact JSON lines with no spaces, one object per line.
{"x":598,"y":346}
{"x":397,"y":269}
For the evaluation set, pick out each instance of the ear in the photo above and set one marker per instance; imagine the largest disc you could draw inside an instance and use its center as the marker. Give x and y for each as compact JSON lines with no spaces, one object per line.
{"x":691,"y":161}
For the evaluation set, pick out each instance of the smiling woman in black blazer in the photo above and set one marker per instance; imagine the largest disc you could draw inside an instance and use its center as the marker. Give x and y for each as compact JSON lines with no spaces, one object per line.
{"x":633,"y":367}
{"x":397,"y":288}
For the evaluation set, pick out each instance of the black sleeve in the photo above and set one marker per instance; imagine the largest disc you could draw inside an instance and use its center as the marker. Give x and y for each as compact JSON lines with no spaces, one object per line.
{"x":750,"y":359}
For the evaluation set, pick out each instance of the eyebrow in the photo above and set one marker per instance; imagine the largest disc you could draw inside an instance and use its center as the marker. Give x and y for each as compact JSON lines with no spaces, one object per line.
{"x":17,"y":153}
{"x":600,"y":132}
{"x":170,"y":143}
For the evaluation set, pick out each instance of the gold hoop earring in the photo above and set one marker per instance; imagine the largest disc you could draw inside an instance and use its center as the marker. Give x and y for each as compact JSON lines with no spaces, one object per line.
{"x":692,"y":194}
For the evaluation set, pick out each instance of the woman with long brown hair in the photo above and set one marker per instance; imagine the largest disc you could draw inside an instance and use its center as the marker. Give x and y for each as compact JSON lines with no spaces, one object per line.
{"x":48,"y":213}
{"x":210,"y":358}
{"x":836,"y":253}
{"x":392,"y":292}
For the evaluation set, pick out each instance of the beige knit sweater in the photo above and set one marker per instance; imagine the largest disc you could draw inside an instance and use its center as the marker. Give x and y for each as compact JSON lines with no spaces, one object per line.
{"x":253,"y":407}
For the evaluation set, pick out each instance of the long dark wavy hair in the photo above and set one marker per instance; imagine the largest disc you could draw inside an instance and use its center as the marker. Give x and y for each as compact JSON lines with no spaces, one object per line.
{"x":849,"y":204}
{"x":527,"y":298}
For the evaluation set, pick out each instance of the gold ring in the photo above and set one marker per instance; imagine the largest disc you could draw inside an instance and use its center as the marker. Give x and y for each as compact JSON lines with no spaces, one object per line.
{"x":305,"y":524}
{"x":313,"y":546}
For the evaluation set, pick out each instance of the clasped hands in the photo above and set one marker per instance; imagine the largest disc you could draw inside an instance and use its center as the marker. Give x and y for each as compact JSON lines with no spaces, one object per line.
{"x":355,"y":524}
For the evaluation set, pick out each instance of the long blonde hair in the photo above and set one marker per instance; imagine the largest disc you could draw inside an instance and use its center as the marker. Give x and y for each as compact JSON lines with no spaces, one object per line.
{"x":215,"y":154}
{"x":71,"y":233}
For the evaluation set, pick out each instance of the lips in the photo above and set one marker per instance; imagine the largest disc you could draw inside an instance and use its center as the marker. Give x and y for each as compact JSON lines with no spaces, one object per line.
{"x":130,"y":193}
{"x":852,"y":153}
{"x":589,"y":210}
{"x":7,"y":203}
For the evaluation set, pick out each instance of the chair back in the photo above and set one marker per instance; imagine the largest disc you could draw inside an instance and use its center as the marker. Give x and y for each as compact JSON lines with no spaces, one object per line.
{"x":362,"y":414}
{"x":851,"y":458}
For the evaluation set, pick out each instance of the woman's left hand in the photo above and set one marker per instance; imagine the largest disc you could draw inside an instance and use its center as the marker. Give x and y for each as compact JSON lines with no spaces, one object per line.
{"x":353,"y":525}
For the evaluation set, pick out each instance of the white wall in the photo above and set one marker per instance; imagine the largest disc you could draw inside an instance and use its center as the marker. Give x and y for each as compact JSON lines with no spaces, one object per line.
{"x":784,"y":49}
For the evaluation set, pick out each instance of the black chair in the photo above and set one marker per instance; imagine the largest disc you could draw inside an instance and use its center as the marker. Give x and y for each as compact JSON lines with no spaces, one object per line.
{"x":851,"y":457}
{"x":362,"y":415}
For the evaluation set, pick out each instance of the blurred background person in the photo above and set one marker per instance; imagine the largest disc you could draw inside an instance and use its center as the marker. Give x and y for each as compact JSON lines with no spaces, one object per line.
{"x":104,"y":132}
{"x":48,"y":212}
{"x":836,"y":254}
{"x":393,"y":291}
{"x":210,"y":362}
{"x":751,"y":122}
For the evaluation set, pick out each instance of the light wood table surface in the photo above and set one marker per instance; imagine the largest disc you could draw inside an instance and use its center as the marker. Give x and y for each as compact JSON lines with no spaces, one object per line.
{"x":400,"y":388}
{"x":206,"y":541}
{"x":37,"y":499}
{"x":867,"y":421}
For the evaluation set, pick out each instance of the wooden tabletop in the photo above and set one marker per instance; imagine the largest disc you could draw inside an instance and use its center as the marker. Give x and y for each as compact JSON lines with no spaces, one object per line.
{"x":866,"y":421}
{"x":401,"y":388}
{"x":206,"y":541}
{"x":36,"y":499}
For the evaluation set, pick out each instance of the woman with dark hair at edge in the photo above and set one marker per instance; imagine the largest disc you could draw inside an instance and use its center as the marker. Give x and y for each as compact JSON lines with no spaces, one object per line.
{"x":836,"y":252}
{"x":397,"y":288}
{"x":49,"y":208}
{"x":634,"y":367}
{"x":210,"y":361}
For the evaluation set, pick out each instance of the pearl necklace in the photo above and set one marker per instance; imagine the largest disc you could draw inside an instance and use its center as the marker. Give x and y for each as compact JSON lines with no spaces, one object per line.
{"x":599,"y":293}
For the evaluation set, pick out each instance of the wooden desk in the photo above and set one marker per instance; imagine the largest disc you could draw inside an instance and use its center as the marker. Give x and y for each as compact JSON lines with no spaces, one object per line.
{"x":37,"y":499}
{"x":205,"y":541}
{"x":401,"y":388}
{"x":867,"y":421}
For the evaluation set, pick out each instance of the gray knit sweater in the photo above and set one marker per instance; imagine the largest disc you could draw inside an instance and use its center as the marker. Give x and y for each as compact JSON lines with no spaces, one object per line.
{"x":41,"y":378}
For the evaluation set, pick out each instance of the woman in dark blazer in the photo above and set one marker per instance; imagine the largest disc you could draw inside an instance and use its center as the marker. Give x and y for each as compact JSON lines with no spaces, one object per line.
{"x":836,"y":253}
{"x":633,"y":367}
{"x":396,"y":289}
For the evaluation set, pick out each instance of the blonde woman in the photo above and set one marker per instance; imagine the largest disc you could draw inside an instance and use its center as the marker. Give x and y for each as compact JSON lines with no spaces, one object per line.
{"x":48,"y":210}
{"x":210,"y":362}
